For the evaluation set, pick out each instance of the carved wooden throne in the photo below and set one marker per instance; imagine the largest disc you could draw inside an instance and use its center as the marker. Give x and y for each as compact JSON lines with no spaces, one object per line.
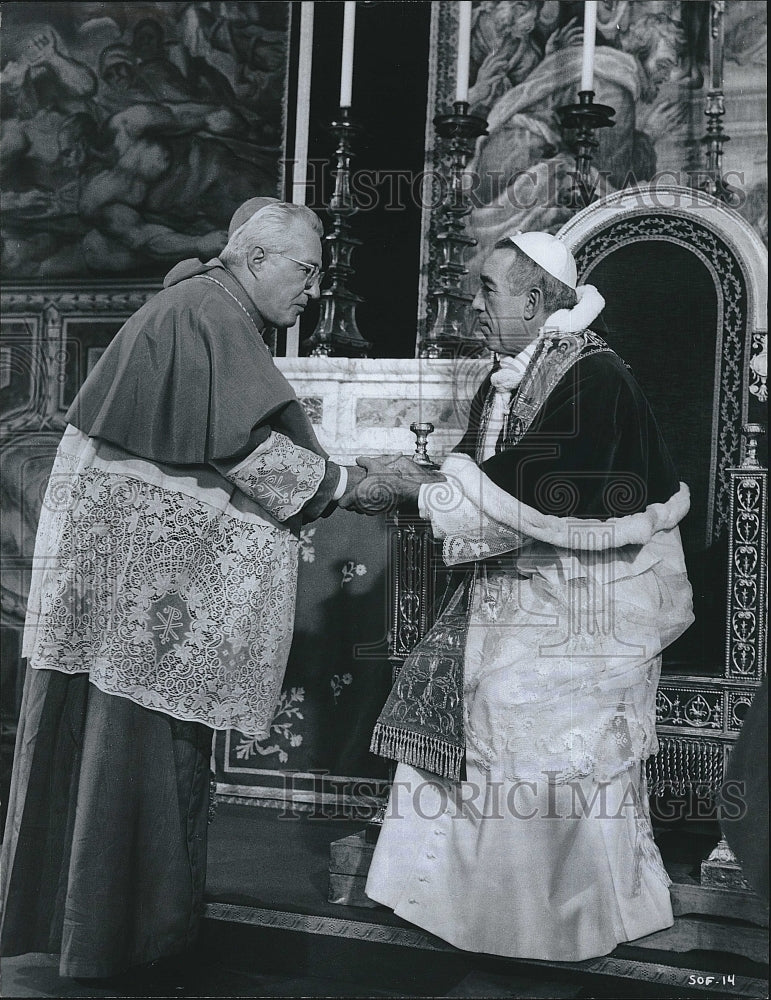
{"x":684,"y":279}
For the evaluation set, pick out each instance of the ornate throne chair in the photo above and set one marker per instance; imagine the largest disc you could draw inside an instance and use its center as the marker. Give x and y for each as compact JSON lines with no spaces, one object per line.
{"x":685,"y":282}
{"x":685,"y":279}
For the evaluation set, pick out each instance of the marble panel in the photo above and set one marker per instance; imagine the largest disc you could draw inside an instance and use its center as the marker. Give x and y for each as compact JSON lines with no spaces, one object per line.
{"x":379,"y":412}
{"x":364,"y":406}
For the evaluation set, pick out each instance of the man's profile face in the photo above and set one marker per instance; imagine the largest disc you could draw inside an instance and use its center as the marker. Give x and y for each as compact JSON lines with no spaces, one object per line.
{"x":500,"y":313}
{"x":279,"y":284}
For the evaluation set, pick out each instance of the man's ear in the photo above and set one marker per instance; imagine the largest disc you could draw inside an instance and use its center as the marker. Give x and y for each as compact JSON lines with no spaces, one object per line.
{"x":532,"y":303}
{"x":256,"y":255}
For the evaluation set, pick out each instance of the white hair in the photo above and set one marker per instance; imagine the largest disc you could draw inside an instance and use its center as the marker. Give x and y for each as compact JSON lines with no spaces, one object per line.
{"x":268,"y":228}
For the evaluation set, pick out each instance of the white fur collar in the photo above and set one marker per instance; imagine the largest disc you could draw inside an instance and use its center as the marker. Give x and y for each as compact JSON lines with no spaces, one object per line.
{"x":590,"y":305}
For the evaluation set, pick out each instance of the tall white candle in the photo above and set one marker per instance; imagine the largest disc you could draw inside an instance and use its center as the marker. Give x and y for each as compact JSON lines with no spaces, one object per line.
{"x":302,"y":119}
{"x":590,"y":31}
{"x":302,"y":127}
{"x":464,"y":50}
{"x":346,"y":72}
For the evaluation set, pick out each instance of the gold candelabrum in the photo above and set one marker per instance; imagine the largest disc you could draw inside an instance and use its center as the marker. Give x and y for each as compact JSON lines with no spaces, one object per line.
{"x":584,"y":119}
{"x":337,"y":332}
{"x":450,"y":334}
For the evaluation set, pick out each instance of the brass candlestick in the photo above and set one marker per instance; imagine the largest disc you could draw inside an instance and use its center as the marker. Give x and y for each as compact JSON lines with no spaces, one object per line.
{"x":585,"y":118}
{"x":450,"y":333}
{"x":421,"y":456}
{"x":715,"y":139}
{"x":336,"y":331}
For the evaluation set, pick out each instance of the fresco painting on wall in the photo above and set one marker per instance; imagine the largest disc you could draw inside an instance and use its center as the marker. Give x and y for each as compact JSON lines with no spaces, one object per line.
{"x":651,"y":65}
{"x":131,"y":131}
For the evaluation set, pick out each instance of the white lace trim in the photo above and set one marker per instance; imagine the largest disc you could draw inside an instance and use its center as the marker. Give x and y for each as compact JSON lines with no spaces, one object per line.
{"x":168,"y":596}
{"x":280,"y":475}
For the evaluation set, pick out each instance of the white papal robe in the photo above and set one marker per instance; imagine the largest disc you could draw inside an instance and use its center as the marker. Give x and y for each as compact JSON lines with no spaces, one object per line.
{"x":543,"y":849}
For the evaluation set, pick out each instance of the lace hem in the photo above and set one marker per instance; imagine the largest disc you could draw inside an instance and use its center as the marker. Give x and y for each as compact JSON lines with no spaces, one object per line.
{"x":160,"y":596}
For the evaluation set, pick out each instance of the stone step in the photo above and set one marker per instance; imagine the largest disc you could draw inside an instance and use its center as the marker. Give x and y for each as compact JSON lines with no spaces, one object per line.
{"x":733,"y":921}
{"x":406,"y":959}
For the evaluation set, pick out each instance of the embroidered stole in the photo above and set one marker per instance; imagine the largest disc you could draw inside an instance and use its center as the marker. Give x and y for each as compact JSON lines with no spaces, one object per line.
{"x":422,"y":723}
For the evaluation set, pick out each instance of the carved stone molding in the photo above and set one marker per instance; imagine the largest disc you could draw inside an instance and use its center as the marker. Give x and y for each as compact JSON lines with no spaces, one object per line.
{"x":759,"y":367}
{"x":40,"y":350}
{"x":122,"y":299}
{"x":689,"y":707}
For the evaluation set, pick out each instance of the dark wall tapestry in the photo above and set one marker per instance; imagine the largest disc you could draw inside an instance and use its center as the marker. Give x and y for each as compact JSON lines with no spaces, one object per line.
{"x":131,"y":131}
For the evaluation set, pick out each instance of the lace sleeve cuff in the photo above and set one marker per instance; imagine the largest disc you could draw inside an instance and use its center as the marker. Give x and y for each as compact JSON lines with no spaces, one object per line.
{"x":468,"y":534}
{"x":279,"y":475}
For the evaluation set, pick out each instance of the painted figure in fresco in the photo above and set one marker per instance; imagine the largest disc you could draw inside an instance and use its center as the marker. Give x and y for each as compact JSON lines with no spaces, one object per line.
{"x":657,"y":38}
{"x":142,"y":73}
{"x":181,"y":163}
{"x":162,"y":601}
{"x":193,"y":78}
{"x":144,"y":160}
{"x":40,"y":89}
{"x":507,"y":46}
{"x":249,"y":38}
{"x":522,"y":170}
{"x":518,"y":819}
{"x":746,"y":36}
{"x":150,"y":185}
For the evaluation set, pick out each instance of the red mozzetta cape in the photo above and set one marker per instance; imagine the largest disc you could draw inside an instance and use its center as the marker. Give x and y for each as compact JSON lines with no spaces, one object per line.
{"x":188,"y":379}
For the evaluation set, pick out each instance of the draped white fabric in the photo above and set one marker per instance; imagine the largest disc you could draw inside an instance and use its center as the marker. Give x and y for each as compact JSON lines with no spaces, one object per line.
{"x":545,"y":851}
{"x":565,"y":635}
{"x":504,"y":381}
{"x":521,"y":869}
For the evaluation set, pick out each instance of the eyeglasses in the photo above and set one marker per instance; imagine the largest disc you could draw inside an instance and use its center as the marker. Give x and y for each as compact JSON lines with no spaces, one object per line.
{"x":313,"y":272}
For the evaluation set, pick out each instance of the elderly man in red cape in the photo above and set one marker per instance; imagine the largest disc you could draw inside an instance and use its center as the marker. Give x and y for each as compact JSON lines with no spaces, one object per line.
{"x":518,"y":820}
{"x":162,"y":600}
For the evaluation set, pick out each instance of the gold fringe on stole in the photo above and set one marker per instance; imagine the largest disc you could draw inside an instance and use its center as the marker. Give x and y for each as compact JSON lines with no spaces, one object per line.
{"x":418,"y":749}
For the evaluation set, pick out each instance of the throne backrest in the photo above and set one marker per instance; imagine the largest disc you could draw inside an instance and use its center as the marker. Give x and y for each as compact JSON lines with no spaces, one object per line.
{"x":684,"y":279}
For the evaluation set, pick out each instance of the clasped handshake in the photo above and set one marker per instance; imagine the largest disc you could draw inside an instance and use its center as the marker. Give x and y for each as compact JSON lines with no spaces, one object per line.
{"x":381,"y":483}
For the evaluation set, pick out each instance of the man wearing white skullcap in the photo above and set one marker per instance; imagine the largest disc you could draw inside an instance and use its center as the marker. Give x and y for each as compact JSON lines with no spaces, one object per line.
{"x":162,"y":600}
{"x":518,"y":820}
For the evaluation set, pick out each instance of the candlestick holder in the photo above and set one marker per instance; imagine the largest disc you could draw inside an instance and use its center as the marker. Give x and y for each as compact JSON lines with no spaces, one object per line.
{"x":584,"y":118}
{"x":336,"y":331}
{"x":421,"y":456}
{"x":450,"y":332}
{"x":712,"y":181}
{"x":751,"y":434}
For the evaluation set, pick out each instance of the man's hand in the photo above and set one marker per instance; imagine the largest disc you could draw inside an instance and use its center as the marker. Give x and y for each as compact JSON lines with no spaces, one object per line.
{"x":389,"y":480}
{"x":566,"y":37}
